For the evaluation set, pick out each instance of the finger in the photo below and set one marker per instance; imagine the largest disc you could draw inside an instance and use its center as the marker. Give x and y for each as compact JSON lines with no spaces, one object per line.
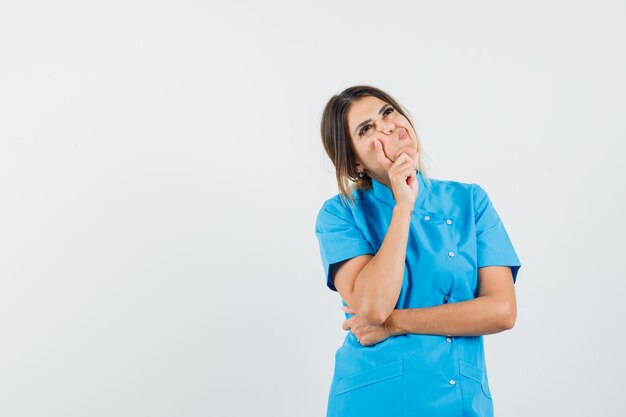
{"x":413,"y":182}
{"x":404,"y":169}
{"x":380,"y":155}
{"x":414,"y":158}
{"x":345,"y":325}
{"x":414,"y":185}
{"x":410,"y":179}
{"x":405,"y":157}
{"x":413,"y":173}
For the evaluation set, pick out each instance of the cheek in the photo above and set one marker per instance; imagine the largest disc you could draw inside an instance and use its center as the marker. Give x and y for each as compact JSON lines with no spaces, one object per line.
{"x":404,"y":123}
{"x":369,"y":153}
{"x":407,"y":126}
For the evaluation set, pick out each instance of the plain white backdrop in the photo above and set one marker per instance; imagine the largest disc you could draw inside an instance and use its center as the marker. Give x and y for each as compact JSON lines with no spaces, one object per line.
{"x":161,"y":169}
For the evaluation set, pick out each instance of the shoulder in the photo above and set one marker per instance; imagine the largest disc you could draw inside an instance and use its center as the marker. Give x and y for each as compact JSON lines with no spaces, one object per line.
{"x":338,"y":205}
{"x":337,"y":209}
{"x":335,"y":206}
{"x":453,"y":196}
{"x":458,"y":192}
{"x":452,"y":185}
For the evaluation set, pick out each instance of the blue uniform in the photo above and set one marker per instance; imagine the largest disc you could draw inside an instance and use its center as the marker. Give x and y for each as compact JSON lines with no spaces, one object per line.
{"x":454,"y":230}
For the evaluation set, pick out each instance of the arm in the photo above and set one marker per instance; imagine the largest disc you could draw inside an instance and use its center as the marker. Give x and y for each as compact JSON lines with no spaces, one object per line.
{"x":493,"y":311}
{"x":378,"y":284}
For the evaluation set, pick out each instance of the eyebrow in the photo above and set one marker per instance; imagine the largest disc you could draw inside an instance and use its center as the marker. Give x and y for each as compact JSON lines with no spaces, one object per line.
{"x":382,"y":109}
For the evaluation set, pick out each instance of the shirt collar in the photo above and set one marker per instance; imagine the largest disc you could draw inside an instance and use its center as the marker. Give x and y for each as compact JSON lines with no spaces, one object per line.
{"x":384,"y":194}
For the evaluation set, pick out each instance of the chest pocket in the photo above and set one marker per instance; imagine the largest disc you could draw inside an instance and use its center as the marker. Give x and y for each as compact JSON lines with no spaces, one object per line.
{"x":437,"y":232}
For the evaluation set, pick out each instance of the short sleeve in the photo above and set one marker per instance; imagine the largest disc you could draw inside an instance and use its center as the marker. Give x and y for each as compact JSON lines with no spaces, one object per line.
{"x":493,"y":244}
{"x":339,"y":238}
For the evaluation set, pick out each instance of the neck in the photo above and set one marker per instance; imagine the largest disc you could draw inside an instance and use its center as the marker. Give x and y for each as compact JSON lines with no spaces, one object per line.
{"x":384,"y":181}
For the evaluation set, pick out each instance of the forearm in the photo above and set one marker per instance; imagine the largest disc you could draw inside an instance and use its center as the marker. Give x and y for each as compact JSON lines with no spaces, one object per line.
{"x":479,"y":316}
{"x":379,"y":283}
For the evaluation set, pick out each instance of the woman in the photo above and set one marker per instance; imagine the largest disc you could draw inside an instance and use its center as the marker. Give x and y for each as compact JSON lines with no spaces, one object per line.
{"x":424,"y":268}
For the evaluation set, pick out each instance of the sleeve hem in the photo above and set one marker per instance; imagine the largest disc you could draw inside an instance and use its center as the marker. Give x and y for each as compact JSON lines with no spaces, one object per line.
{"x":362,"y":249}
{"x":515,"y":266}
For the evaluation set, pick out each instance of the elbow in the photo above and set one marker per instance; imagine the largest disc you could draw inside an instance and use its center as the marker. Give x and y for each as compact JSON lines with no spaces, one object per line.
{"x":379,"y":319}
{"x":375,"y":316}
{"x":374,"y":308}
{"x":508,"y":316}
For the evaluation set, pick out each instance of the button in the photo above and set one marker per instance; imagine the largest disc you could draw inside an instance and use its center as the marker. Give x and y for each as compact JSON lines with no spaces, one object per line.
{"x":449,"y":339}
{"x":426,"y":217}
{"x":451,"y":254}
{"x":449,"y":221}
{"x":446,"y":298}
{"x":452,"y":382}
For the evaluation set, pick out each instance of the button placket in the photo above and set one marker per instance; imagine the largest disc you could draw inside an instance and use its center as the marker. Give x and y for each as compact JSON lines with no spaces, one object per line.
{"x":451,"y":253}
{"x":445,"y":227}
{"x":443,"y":224}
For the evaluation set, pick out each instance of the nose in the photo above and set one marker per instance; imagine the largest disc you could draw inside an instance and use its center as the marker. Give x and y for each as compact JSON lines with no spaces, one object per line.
{"x":386,"y":127}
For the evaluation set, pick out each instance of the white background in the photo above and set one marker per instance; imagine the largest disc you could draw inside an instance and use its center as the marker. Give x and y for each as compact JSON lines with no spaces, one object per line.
{"x":161,"y":169}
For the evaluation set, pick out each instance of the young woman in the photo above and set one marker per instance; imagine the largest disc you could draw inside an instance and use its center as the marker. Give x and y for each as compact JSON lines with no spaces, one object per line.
{"x":424,"y":268}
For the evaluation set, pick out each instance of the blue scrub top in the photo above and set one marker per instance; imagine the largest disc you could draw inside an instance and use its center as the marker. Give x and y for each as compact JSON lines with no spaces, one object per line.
{"x":454,"y":230}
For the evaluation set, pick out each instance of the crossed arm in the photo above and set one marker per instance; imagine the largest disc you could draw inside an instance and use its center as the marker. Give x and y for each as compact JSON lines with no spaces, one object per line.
{"x":493,"y":311}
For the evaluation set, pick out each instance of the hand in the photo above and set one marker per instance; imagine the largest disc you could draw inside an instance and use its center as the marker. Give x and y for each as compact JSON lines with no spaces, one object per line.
{"x":366,"y":334}
{"x":402,"y":174}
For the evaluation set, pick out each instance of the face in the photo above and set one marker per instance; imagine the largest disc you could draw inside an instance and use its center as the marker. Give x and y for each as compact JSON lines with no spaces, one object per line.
{"x":371,"y":118}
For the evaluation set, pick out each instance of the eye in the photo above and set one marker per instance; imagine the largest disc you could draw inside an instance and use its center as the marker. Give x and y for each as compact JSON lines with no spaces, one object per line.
{"x":363,"y":130}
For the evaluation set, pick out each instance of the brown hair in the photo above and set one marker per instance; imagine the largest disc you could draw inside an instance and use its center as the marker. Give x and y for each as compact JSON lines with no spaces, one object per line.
{"x":336,"y":137}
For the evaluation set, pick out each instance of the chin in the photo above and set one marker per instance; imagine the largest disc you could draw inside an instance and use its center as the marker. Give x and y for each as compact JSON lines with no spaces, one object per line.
{"x":410,"y":149}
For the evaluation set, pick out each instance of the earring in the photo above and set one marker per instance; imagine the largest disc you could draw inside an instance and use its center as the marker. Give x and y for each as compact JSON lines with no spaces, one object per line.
{"x":360,"y":174}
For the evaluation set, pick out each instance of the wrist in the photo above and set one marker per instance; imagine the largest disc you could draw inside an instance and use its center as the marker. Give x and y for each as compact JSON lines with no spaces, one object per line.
{"x":393,"y":324}
{"x":404,"y":209}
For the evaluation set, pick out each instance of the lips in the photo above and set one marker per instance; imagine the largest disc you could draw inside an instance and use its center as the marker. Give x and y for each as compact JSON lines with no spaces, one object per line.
{"x":405,"y":146}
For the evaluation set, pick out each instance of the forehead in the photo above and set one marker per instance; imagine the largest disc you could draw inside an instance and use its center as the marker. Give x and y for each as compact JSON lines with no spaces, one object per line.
{"x":363,"y":109}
